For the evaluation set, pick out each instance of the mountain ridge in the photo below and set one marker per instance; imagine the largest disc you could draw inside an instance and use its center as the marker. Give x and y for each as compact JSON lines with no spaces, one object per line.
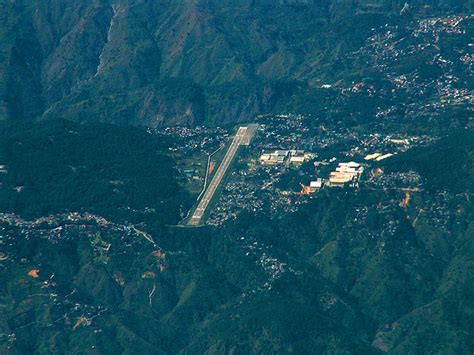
{"x":185,"y":62}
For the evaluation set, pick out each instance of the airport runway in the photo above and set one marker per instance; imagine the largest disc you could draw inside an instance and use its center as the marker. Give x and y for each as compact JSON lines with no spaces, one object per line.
{"x":242,"y":136}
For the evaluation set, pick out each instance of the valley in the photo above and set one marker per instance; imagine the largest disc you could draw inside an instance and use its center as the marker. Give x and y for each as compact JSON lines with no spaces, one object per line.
{"x":248,"y":177}
{"x":242,"y":137}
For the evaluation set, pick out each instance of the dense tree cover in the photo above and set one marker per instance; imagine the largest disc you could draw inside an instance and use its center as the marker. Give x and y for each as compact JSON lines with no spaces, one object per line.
{"x":352,"y":271}
{"x":447,"y":164}
{"x":60,"y":166}
{"x":162,"y":62}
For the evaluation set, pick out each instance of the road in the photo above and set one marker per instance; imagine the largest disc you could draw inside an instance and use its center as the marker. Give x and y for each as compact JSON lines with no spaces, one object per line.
{"x":207,"y":171}
{"x":242,"y":136}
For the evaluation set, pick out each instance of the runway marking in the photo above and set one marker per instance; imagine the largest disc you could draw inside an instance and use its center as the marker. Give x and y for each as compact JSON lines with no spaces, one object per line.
{"x":242,"y":136}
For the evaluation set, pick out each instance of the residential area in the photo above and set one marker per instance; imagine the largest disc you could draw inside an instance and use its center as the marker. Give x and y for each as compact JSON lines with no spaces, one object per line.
{"x":290,"y":160}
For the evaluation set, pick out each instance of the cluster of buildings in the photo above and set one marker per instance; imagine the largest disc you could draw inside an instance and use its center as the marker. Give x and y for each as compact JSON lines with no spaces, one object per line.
{"x":195,"y":139}
{"x":394,"y":180}
{"x":388,"y":45}
{"x":192,"y":174}
{"x":345,"y":173}
{"x":377,"y":146}
{"x":239,"y":196}
{"x":57,"y":227}
{"x":285,"y":157}
{"x":282,"y":130}
{"x":17,"y":260}
{"x":435,"y":25}
{"x":313,"y":186}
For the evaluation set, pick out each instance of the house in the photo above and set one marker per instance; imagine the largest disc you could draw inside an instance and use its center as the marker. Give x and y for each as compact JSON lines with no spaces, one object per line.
{"x":283,"y":153}
{"x":276,"y":157}
{"x":385,"y":156}
{"x":297,"y":159}
{"x":280,"y":156}
{"x":317,"y":184}
{"x":339,"y":181}
{"x":372,"y":156}
{"x":312,"y":187}
{"x":264,"y":158}
{"x":272,"y":158}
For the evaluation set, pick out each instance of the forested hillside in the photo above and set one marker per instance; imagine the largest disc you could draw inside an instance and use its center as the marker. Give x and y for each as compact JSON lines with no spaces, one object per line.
{"x":167,"y":62}
{"x":59,"y":166}
{"x":344,"y":226}
{"x":349,"y":272}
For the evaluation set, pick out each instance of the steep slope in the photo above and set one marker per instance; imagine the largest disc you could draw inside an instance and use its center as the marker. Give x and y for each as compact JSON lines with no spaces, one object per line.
{"x":59,"y":166}
{"x":352,"y":271}
{"x":183,"y":62}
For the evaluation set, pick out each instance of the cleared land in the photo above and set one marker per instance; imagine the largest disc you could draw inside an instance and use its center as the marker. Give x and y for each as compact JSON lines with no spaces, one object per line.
{"x":243,"y":136}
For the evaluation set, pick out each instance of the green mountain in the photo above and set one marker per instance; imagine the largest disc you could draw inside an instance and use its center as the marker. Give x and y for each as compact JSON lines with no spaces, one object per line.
{"x":349,"y":272}
{"x":185,"y":62}
{"x":109,"y":111}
